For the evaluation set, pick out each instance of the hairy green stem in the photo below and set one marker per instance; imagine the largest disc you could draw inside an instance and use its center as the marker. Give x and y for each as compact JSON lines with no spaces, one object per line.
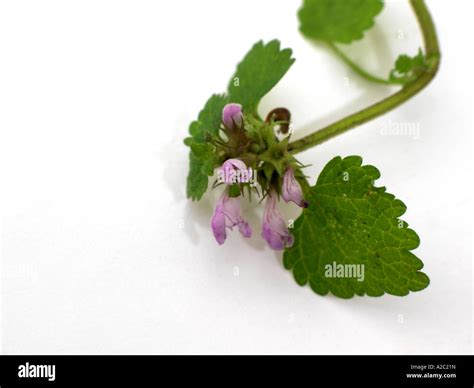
{"x":356,"y":68}
{"x":409,"y":90}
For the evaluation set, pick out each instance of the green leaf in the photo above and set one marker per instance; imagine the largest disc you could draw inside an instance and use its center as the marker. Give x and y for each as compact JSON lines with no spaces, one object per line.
{"x":340,"y":21}
{"x":202,"y":159}
{"x":260,"y":70}
{"x":352,"y":222}
{"x":197,"y":181}
{"x":201,"y":150}
{"x":408,"y":68}
{"x":209,"y":119}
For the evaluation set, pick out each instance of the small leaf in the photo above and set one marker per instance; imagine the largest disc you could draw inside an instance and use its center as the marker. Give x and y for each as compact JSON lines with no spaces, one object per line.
{"x":340,"y":21}
{"x":197,"y":181}
{"x":260,"y":70}
{"x":408,"y":68}
{"x":202,"y":159}
{"x":209,"y":119}
{"x":201,"y":151}
{"x":353,"y":225}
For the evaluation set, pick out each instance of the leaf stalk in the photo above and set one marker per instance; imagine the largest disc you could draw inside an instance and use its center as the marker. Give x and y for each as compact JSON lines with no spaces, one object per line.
{"x":409,"y":90}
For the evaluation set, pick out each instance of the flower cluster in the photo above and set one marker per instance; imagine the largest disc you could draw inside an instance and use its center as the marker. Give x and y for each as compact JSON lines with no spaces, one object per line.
{"x":228,"y":213}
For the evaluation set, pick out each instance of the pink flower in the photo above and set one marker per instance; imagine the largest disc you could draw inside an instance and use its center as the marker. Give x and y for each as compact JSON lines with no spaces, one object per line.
{"x":275,"y":230}
{"x":232,"y":116}
{"x":228,"y":215}
{"x":291,"y":189}
{"x":234,"y":171}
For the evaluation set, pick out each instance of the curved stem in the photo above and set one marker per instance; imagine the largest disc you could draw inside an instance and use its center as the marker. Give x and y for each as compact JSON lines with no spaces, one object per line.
{"x":409,"y":90}
{"x":356,"y":68}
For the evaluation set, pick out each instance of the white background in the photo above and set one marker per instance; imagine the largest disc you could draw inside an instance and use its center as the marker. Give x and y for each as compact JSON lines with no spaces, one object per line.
{"x":102,"y":253}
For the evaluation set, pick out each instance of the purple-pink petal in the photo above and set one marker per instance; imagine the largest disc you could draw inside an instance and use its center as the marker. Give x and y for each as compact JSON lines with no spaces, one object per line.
{"x":274,"y":230}
{"x":227,"y":215}
{"x":242,"y":174}
{"x":218,"y":225}
{"x":232,"y":115}
{"x":235,"y":164}
{"x":291,"y":189}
